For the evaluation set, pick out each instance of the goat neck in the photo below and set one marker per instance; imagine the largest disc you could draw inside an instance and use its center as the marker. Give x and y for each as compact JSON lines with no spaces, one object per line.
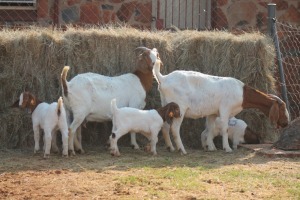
{"x":144,"y":70}
{"x":256,"y":99}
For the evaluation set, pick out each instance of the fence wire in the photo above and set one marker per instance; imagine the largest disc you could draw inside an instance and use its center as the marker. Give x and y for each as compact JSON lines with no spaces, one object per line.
{"x":289,"y":42}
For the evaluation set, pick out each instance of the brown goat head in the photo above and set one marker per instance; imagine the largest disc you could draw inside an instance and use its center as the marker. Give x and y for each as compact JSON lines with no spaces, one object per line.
{"x":278,"y":113}
{"x":147,"y":59}
{"x":29,"y":101}
{"x":172,"y":111}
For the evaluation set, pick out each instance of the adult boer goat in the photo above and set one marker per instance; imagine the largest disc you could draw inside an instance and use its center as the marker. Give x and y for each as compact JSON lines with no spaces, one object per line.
{"x":88,"y":96}
{"x":202,"y":95}
{"x":49,"y":117}
{"x":147,"y":122}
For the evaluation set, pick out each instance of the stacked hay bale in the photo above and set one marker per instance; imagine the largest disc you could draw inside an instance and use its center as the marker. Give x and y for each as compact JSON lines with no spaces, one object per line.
{"x":33,"y":59}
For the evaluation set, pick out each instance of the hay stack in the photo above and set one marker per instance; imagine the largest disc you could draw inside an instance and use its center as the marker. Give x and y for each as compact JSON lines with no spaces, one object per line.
{"x":33,"y":59}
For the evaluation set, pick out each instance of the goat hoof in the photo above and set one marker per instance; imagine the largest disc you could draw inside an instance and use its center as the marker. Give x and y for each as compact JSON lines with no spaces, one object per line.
{"x":46,"y":156}
{"x":182,"y":152}
{"x":81,"y":151}
{"x":228,"y":150}
{"x":170,"y":149}
{"x":72,"y":153}
{"x":135,"y":146}
{"x":65,"y":155}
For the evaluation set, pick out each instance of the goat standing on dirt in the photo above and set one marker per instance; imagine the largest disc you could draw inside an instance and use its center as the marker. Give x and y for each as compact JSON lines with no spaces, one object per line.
{"x":147,"y":122}
{"x":202,"y":95}
{"x":88,"y":96}
{"x":49,"y":117}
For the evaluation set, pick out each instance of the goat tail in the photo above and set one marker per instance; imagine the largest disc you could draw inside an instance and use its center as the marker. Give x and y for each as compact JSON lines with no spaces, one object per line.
{"x":59,"y":106}
{"x":156,"y":71}
{"x":64,"y":81}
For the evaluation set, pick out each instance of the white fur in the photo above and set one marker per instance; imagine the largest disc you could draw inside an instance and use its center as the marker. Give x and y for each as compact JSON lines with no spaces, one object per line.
{"x":45,"y":117}
{"x":126,"y":119}
{"x":236,"y":132}
{"x":199,"y":95}
{"x":90,"y":95}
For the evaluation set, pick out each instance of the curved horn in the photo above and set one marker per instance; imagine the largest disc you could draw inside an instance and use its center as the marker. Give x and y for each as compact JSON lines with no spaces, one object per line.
{"x":277,"y":98}
{"x":143,"y":49}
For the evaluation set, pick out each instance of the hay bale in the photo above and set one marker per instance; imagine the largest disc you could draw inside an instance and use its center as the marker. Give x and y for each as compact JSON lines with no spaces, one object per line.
{"x":34,"y":58}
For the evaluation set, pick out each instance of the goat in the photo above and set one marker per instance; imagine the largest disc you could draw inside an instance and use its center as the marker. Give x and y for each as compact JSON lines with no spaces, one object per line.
{"x":238,"y":132}
{"x":147,"y":122}
{"x":202,"y":95}
{"x":88,"y":96}
{"x":49,"y":117}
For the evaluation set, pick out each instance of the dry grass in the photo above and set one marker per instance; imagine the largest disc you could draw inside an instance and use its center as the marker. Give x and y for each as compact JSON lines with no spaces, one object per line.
{"x":34,"y":58}
{"x":137,"y":175}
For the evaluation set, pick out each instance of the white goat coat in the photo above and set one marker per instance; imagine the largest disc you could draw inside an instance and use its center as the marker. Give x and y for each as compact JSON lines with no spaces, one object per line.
{"x":236,"y":132}
{"x":199,"y":95}
{"x":96,"y":91}
{"x":126,"y":119}
{"x":45,"y":117}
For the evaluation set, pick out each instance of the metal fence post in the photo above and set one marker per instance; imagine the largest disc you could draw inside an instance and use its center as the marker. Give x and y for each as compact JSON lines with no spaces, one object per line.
{"x":273,"y":33}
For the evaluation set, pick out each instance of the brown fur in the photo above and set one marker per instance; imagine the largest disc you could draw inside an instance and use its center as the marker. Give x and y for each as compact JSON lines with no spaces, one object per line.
{"x":251,"y":137}
{"x":169,"y":111}
{"x":270,"y":106}
{"x":144,"y":70}
{"x":30,"y":101}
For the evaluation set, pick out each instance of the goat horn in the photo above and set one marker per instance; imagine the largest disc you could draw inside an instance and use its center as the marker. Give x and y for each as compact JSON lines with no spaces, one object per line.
{"x":143,"y":49}
{"x":276,"y":97}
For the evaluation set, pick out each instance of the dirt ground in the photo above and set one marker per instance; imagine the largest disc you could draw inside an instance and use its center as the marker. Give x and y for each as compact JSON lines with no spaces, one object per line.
{"x":138,"y":175}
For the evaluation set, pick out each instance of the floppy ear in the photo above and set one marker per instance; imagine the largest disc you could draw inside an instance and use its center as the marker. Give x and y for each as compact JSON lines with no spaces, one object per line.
{"x":274,"y":113}
{"x":16,"y":104}
{"x":169,"y":115}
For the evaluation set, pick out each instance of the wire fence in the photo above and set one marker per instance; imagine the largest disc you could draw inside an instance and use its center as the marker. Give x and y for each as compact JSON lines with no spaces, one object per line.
{"x":163,"y":14}
{"x":289,"y":43}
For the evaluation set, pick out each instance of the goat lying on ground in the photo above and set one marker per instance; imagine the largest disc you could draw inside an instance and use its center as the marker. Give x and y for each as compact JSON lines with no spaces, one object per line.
{"x":49,"y":117}
{"x":88,"y":96}
{"x":238,"y":132}
{"x":147,"y":122}
{"x":201,"y":95}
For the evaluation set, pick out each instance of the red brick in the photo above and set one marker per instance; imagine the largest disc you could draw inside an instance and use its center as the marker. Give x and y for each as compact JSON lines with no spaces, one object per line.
{"x":42,"y":9}
{"x":145,"y":13}
{"x":89,"y":13}
{"x":222,"y":2}
{"x":219,"y":19}
{"x":73,"y":2}
{"x":126,"y":11}
{"x":116,"y":1}
{"x":291,"y":15}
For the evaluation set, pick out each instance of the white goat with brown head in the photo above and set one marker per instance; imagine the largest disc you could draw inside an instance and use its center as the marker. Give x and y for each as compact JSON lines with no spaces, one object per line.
{"x":88,"y":96}
{"x":49,"y":117}
{"x":202,"y":95}
{"x":147,"y":122}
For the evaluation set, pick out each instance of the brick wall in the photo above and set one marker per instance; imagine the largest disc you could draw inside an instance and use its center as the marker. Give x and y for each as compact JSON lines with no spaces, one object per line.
{"x":81,"y":12}
{"x":252,"y":14}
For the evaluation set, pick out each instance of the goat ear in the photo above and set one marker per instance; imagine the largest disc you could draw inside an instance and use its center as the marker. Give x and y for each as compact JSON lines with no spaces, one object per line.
{"x":16,"y":104}
{"x":274,"y":113}
{"x":32,"y":102}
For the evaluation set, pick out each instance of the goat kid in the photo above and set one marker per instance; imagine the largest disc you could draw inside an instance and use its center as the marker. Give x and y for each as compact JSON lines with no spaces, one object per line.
{"x":238,"y":133}
{"x":147,"y":122}
{"x":49,"y":117}
{"x":202,"y":95}
{"x":88,"y":96}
